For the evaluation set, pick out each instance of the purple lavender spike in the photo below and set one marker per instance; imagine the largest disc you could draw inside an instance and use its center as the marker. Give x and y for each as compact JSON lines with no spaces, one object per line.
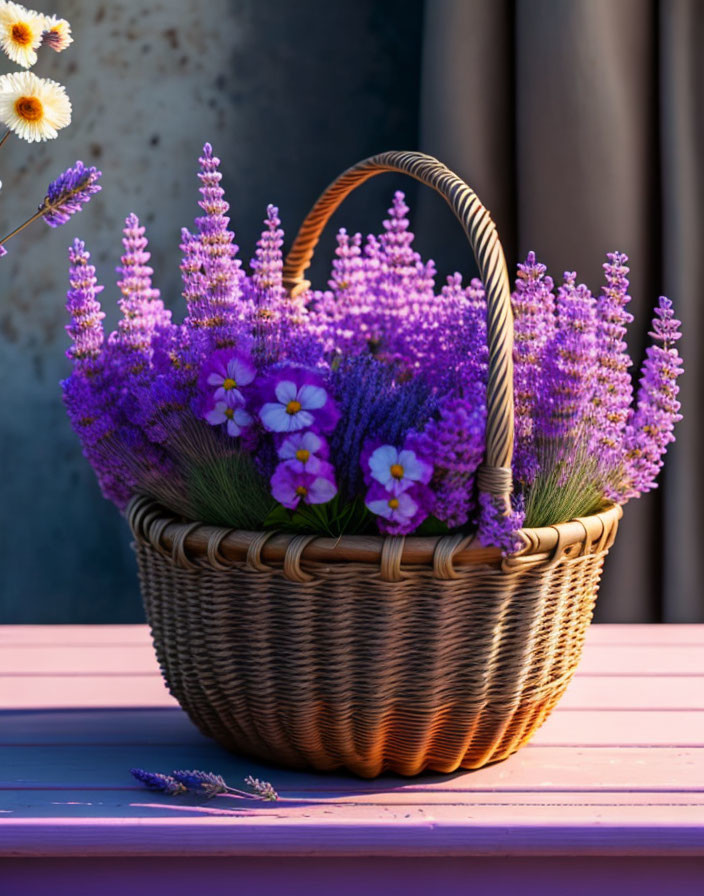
{"x":613,"y":390}
{"x":144,"y":317}
{"x":86,"y":327}
{"x":569,"y":367}
{"x":69,"y":193}
{"x":534,"y":325}
{"x":650,"y":428}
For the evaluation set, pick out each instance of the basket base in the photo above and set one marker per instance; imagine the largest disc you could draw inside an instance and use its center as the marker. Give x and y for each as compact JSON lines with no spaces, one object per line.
{"x":494,"y":736}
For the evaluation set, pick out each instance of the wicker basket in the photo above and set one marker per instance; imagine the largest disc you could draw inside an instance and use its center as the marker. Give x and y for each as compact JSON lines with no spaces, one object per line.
{"x":367,"y":652}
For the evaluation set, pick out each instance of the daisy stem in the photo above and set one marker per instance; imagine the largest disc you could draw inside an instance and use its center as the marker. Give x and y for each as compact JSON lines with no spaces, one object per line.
{"x":43,"y":209}
{"x":7,"y":134}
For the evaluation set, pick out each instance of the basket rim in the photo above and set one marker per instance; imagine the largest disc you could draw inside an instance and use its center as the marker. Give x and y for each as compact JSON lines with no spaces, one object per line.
{"x":220,"y":546}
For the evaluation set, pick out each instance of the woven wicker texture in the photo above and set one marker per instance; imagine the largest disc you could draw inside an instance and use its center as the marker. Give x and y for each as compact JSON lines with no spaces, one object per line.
{"x":451,"y":661}
{"x":367,"y":652}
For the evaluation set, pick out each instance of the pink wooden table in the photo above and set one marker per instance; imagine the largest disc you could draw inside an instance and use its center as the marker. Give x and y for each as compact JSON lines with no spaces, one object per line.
{"x":608,"y":797}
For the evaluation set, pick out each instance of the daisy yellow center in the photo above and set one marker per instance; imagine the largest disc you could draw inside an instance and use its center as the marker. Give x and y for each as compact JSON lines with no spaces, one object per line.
{"x":302,"y":491}
{"x":29,"y":108}
{"x":397,"y":471}
{"x":393,"y":503}
{"x":293,"y":407}
{"x":22,"y":34}
{"x":302,"y":454}
{"x":229,"y":383}
{"x":229,"y":413}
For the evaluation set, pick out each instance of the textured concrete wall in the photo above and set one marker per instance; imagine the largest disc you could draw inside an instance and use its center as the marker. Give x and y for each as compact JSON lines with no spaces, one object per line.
{"x":289,"y":94}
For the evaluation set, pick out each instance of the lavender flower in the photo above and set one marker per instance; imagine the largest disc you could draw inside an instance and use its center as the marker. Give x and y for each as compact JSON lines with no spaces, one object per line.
{"x":291,"y":486}
{"x":157,"y":781}
{"x":144,"y":317}
{"x":262,"y":788}
{"x":86,"y":326}
{"x":69,"y":192}
{"x":497,"y":528}
{"x":650,"y":427}
{"x":205,"y":783}
{"x":613,"y":391}
{"x":212,"y":273}
{"x":455,"y":443}
{"x":570,"y":360}
{"x":373,"y":405}
{"x":278,"y":319}
{"x":534,"y":326}
{"x":341,"y":314}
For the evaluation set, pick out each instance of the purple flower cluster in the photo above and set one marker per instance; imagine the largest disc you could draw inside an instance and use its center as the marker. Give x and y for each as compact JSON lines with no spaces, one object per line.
{"x":534,"y":327}
{"x":69,"y":193}
{"x":649,"y":427}
{"x":369,"y":397}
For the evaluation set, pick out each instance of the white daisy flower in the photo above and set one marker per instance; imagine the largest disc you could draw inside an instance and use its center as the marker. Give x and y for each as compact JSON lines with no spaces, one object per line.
{"x":57,"y":33}
{"x":21,"y":33}
{"x":34,"y":108}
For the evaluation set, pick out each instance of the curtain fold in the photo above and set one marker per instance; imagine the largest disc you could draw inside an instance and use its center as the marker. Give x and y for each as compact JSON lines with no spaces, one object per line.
{"x":579,"y":124}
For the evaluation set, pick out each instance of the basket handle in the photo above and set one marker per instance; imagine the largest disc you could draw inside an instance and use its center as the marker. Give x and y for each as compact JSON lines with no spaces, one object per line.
{"x":494,"y":476}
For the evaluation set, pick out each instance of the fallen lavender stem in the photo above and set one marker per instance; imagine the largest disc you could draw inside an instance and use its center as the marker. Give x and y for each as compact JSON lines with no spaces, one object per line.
{"x":206,"y":784}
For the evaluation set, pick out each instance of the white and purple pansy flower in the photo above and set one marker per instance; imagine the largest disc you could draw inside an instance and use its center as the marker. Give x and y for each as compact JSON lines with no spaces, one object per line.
{"x":289,"y":487}
{"x":397,"y":470}
{"x":225,"y":373}
{"x":399,"y":513}
{"x":294,"y":399}
{"x":304,"y":451}
{"x":230,"y":411}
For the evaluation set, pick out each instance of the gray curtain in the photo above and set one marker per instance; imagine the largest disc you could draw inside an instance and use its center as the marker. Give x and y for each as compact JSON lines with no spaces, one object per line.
{"x":581,"y":126}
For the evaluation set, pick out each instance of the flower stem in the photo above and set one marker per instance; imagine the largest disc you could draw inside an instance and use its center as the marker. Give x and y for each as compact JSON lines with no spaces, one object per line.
{"x":38,"y":214}
{"x":7,"y":134}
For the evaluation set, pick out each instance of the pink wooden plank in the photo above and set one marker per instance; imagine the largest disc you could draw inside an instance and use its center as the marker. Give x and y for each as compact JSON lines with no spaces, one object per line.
{"x":121,"y":659}
{"x":444,"y":832}
{"x":623,"y":728}
{"x":533,"y":768}
{"x":37,"y":692}
{"x":136,"y":802}
{"x":671,"y":633}
{"x":626,"y":692}
{"x":667,"y":659}
{"x":73,"y":634}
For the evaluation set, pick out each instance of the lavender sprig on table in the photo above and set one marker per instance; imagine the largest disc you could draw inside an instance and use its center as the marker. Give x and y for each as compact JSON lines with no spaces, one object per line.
{"x":206,"y":784}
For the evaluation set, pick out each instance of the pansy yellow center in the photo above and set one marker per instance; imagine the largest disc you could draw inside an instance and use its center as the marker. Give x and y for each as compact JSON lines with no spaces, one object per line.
{"x":302,"y":454}
{"x":22,"y":34}
{"x":302,"y":491}
{"x":393,"y":503}
{"x":29,"y":108}
{"x":293,"y":407}
{"x":229,"y":413}
{"x":397,"y":471}
{"x":229,"y":383}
